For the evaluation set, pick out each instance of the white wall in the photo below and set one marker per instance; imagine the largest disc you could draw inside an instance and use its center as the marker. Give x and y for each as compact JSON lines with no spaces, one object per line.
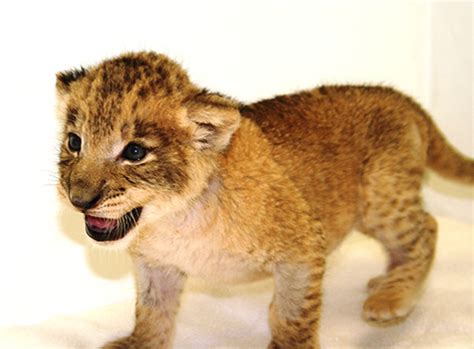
{"x":247,"y":49}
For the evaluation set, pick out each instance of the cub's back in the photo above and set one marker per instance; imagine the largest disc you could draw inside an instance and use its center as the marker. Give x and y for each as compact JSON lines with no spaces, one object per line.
{"x":323,"y":138}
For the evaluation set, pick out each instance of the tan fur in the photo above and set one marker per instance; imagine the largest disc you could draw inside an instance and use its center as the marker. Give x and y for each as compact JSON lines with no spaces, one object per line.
{"x":235,"y":192}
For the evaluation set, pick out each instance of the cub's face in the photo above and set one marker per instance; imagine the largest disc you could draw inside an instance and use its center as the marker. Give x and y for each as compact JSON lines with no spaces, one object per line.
{"x":140,"y":141}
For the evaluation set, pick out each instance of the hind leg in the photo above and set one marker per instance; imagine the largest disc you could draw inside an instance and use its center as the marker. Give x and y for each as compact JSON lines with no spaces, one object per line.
{"x":393,"y":215}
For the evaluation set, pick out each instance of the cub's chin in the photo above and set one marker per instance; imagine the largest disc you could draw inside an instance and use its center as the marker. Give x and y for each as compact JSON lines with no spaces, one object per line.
{"x":108,"y":231}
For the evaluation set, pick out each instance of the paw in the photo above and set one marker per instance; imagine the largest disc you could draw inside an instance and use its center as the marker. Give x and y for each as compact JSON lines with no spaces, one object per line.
{"x":385,"y":308}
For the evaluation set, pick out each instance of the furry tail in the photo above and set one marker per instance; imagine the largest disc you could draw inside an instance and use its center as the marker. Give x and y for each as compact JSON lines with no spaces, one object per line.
{"x":445,"y":159}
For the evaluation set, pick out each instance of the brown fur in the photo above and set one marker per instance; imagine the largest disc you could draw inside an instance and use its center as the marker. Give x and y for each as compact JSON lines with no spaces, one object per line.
{"x":238,"y":192}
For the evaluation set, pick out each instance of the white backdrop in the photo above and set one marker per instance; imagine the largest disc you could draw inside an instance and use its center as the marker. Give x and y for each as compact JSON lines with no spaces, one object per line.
{"x":246,"y":49}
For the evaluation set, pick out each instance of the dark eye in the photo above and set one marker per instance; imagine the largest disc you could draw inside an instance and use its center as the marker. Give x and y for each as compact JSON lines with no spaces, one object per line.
{"x":134,"y":152}
{"x":74,"y":142}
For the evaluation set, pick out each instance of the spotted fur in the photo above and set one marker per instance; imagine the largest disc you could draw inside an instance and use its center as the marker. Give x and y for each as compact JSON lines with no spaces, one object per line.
{"x":237,"y":192}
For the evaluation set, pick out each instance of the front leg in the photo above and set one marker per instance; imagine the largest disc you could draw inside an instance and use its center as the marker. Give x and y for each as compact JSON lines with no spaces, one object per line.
{"x":158,"y":293}
{"x":295,"y":309}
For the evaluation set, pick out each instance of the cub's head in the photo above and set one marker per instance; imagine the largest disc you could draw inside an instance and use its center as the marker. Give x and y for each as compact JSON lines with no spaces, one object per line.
{"x":139,"y":141}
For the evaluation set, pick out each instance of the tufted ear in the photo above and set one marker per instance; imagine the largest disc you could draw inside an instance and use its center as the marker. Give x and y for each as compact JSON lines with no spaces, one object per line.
{"x":215,"y":120}
{"x":66,"y":78}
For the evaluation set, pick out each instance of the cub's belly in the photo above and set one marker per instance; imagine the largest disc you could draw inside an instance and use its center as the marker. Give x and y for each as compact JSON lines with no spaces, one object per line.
{"x":201,"y":259}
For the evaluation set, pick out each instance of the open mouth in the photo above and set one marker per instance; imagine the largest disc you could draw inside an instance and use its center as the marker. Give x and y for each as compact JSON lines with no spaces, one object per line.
{"x":105,"y":229}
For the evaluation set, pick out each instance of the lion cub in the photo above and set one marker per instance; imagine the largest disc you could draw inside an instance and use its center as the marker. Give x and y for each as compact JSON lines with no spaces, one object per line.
{"x":193,"y":183}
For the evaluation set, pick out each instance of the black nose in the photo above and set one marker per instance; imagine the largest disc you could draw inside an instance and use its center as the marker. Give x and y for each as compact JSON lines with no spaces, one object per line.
{"x":85,"y":203}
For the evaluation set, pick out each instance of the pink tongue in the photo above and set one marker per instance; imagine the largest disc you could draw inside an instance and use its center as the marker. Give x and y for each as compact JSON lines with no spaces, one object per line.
{"x":101,"y":223}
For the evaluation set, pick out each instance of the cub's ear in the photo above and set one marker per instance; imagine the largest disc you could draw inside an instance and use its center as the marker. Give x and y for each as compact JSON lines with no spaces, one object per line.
{"x":66,"y":78}
{"x":215,"y":119}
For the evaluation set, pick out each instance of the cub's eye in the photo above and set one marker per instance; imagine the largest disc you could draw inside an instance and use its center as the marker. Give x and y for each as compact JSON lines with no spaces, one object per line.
{"x":74,"y":143}
{"x":134,"y":152}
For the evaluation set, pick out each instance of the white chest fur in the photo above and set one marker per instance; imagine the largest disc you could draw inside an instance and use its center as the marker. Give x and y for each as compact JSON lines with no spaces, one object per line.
{"x":201,"y":256}
{"x":202,"y":243}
